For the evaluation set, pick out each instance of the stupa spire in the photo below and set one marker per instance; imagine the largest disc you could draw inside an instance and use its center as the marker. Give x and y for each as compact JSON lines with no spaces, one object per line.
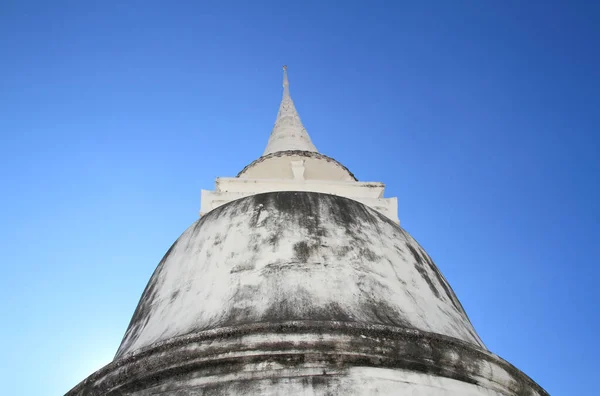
{"x":288,"y":132}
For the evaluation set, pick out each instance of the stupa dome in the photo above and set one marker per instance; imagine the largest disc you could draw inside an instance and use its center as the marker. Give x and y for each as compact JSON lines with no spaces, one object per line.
{"x":275,"y":293}
{"x":293,"y":256}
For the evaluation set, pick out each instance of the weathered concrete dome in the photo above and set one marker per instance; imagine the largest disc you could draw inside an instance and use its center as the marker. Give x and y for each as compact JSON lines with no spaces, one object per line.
{"x":301,"y":293}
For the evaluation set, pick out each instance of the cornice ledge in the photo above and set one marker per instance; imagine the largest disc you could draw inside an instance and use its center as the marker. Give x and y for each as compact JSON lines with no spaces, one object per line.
{"x":296,"y":342}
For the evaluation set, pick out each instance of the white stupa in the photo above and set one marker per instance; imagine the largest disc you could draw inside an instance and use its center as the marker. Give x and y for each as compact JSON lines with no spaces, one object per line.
{"x":298,"y":280}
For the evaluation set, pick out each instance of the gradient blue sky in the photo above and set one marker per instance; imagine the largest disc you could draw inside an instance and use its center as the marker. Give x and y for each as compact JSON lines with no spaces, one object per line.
{"x":482,"y":117}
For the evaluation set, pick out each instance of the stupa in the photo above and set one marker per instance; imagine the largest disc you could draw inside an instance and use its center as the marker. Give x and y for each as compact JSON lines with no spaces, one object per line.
{"x":297,"y":279}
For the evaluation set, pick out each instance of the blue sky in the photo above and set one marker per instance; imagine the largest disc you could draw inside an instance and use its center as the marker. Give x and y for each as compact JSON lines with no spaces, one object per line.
{"x":480,"y":116}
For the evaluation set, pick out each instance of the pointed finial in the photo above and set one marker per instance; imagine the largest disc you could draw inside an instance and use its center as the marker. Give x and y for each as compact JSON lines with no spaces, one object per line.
{"x":285,"y":77}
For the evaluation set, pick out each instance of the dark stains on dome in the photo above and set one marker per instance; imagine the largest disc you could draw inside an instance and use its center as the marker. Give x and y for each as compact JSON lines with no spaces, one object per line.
{"x":142,"y":312}
{"x":442,"y":281}
{"x":424,"y":273}
{"x":302,"y":251}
